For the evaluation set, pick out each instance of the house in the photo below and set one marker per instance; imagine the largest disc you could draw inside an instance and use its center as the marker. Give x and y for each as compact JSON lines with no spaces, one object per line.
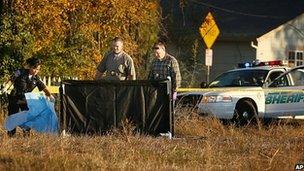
{"x":249,"y":29}
{"x":285,"y":42}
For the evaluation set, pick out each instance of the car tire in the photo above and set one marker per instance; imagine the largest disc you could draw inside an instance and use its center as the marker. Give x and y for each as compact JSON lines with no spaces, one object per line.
{"x":245,"y":113}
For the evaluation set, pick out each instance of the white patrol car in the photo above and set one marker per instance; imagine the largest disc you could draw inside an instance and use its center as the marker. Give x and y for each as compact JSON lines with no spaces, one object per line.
{"x":264,"y":91}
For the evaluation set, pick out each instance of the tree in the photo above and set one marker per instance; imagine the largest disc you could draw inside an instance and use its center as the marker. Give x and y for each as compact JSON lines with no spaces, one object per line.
{"x":72,"y":36}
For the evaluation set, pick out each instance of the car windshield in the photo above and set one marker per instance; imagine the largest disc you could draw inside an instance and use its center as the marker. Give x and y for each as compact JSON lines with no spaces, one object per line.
{"x":240,"y":78}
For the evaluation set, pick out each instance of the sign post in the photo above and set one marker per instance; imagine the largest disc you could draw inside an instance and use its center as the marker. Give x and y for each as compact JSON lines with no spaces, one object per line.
{"x":208,"y":62}
{"x":209,"y":31}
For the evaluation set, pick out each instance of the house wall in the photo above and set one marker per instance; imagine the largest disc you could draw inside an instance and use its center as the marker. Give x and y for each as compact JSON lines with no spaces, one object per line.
{"x":277,"y":43}
{"x":226,"y":56}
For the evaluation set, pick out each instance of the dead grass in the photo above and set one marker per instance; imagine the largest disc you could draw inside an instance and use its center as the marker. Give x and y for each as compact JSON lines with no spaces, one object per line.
{"x":200,"y":144}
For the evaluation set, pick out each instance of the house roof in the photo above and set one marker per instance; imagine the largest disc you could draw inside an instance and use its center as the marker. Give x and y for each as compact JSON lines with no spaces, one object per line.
{"x":241,"y":19}
{"x":290,"y":24}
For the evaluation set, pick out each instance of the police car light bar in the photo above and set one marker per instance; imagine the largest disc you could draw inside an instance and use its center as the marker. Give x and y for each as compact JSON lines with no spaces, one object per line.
{"x":258,"y":63}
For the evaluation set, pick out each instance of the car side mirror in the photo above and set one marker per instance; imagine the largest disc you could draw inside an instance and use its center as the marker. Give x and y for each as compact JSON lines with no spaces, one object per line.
{"x":203,"y":84}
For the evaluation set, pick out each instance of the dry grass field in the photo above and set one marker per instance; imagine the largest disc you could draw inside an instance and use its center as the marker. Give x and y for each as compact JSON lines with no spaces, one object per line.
{"x":200,"y":144}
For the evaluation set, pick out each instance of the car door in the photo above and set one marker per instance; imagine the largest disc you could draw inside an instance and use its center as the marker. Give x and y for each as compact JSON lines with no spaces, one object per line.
{"x":284,"y":96}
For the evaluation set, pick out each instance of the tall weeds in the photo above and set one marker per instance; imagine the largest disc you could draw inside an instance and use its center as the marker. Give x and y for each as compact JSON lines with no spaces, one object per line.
{"x":200,"y":143}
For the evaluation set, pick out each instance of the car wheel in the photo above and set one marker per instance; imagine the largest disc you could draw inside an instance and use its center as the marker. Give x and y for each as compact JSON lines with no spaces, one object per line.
{"x":245,"y":113}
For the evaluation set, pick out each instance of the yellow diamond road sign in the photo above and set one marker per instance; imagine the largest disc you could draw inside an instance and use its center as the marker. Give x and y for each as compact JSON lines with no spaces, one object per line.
{"x":209,"y":30}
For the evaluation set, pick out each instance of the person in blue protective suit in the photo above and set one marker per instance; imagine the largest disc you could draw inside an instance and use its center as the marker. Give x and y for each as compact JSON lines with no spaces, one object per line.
{"x":24,"y":81}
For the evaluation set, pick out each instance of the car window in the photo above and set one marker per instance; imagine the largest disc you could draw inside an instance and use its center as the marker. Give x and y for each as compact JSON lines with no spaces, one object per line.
{"x":297,"y":77}
{"x":274,"y":75}
{"x":240,"y":78}
{"x":281,"y":82}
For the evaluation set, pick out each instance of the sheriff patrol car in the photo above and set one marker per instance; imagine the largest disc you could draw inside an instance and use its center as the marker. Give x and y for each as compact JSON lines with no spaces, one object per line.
{"x":264,"y":90}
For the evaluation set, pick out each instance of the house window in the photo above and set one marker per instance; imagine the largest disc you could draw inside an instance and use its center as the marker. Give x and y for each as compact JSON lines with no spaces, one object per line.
{"x":295,"y":58}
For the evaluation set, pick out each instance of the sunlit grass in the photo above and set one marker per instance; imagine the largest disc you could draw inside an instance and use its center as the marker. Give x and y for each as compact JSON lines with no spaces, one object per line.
{"x":200,"y":143}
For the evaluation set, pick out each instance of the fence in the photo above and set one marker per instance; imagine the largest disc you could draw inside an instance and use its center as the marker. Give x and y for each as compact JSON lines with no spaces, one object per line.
{"x":55,"y":81}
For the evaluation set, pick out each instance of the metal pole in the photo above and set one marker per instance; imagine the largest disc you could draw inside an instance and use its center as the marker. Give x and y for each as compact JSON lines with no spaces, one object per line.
{"x":208,"y":74}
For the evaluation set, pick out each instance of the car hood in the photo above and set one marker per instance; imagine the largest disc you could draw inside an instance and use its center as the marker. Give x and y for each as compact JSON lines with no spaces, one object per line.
{"x":201,"y":91}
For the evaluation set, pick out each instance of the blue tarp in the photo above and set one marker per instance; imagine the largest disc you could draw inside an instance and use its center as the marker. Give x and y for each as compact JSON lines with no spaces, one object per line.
{"x":41,"y":115}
